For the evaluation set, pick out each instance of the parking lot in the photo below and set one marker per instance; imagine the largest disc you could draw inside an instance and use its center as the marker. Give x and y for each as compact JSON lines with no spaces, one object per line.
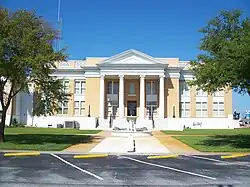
{"x":129,"y":170}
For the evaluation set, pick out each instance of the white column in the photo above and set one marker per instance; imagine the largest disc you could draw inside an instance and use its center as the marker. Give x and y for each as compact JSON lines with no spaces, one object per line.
{"x":101,"y":113}
{"x":161,"y":98}
{"x":121,"y":96}
{"x":142,"y":96}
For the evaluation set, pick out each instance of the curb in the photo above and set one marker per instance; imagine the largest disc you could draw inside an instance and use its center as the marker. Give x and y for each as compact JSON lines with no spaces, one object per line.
{"x":233,"y":156}
{"x":91,"y":156}
{"x":23,"y":154}
{"x":162,"y":156}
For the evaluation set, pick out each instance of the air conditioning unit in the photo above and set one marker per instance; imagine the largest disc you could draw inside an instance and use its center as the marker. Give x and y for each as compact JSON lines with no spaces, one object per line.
{"x":71,"y":124}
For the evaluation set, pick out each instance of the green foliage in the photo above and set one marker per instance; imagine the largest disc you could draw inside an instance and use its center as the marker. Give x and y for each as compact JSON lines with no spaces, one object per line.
{"x":225,"y":58}
{"x":27,"y":59}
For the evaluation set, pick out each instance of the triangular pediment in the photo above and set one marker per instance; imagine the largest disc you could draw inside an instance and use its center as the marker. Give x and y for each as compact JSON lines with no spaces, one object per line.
{"x":130,"y":57}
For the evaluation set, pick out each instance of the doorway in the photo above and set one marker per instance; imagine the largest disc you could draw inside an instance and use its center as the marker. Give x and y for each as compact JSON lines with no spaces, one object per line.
{"x":132,"y":108}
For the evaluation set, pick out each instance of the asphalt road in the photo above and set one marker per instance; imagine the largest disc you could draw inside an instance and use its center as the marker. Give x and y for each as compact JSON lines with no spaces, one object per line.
{"x":64,"y":170}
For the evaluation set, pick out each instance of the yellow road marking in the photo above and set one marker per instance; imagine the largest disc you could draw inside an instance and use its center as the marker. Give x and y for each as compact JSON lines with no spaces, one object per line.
{"x":162,"y":156}
{"x":23,"y":154}
{"x":91,"y":156}
{"x":233,"y":156}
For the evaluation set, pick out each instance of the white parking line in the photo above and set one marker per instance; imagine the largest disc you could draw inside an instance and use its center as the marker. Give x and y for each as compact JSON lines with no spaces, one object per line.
{"x":166,"y":167}
{"x":74,"y":166}
{"x":205,"y":158}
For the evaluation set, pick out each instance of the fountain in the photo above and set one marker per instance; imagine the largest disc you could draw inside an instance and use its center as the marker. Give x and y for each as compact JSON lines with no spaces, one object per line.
{"x":130,"y":129}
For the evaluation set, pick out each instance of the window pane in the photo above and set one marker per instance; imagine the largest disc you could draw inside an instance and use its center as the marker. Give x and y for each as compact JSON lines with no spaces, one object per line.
{"x":82,"y":104}
{"x":153,"y":87}
{"x":65,"y":111}
{"x":187,"y":113}
{"x":187,"y":105}
{"x":182,"y":105}
{"x":215,"y":113}
{"x":198,"y":105}
{"x":82,"y":84}
{"x":198,"y":113}
{"x":131,"y":88}
{"x":77,"y":104}
{"x":77,"y":91}
{"x":204,"y":113}
{"x":82,"y":111}
{"x":76,"y":111}
{"x":115,"y":88}
{"x":204,"y":105}
{"x":148,"y":88}
{"x":82,"y":91}
{"x":221,"y":105}
{"x":109,"y":87}
{"x":215,"y":105}
{"x":221,"y":113}
{"x":77,"y":84}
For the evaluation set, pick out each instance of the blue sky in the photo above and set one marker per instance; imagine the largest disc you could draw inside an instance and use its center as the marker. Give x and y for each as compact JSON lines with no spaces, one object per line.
{"x":161,"y":28}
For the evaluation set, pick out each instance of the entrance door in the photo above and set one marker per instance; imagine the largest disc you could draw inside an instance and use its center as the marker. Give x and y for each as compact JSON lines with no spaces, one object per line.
{"x":131,"y":109}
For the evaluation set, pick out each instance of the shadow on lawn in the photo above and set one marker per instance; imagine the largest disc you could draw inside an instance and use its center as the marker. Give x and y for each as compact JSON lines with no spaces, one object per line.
{"x":236,"y":141}
{"x":47,"y":138}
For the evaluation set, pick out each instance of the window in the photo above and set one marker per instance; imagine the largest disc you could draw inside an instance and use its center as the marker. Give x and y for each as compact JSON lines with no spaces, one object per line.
{"x":151,"y":88}
{"x":63,"y":108}
{"x":185,"y":91}
{"x":218,"y":109}
{"x":201,"y":93}
{"x":65,"y":84}
{"x":112,"y":108}
{"x":79,"y":108}
{"x":151,"y":107}
{"x":219,"y":94}
{"x":201,"y":109}
{"x":112,"y":87}
{"x":79,"y":87}
{"x":185,"y":109}
{"x":131,"y":88}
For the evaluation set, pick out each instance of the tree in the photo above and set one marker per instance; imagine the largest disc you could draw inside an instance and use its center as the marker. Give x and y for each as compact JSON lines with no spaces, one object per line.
{"x":225,"y":59}
{"x":27,"y":59}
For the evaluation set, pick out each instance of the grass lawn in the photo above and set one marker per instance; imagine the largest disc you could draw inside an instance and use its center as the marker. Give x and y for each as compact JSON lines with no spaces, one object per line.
{"x":210,"y":132}
{"x":218,"y":143}
{"x":44,"y":139}
{"x":36,"y":130}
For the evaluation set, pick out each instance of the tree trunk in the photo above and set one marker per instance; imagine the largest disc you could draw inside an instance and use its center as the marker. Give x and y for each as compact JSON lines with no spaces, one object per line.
{"x":2,"y":126}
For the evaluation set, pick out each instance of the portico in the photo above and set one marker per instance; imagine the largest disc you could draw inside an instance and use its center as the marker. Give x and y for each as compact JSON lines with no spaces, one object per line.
{"x":132,"y":95}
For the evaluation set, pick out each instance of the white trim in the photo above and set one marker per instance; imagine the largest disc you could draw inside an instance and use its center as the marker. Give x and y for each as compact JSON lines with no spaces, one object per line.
{"x":201,"y":99}
{"x":218,"y":99}
{"x":127,"y":54}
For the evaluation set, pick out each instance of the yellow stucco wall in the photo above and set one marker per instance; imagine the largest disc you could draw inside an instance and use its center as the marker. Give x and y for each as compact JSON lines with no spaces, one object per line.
{"x":92,"y":95}
{"x":228,"y":99}
{"x":193,"y":101}
{"x":172,"y":97}
{"x":210,"y":106}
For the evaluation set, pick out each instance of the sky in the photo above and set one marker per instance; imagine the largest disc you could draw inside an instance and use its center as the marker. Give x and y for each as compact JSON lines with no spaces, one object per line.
{"x":160,"y":28}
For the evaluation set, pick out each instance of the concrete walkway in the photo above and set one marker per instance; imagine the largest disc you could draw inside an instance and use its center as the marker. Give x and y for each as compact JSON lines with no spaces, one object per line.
{"x":125,"y":144}
{"x":86,"y":147}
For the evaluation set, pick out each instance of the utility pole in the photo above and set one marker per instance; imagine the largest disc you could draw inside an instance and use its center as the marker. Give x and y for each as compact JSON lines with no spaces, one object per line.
{"x":59,"y":25}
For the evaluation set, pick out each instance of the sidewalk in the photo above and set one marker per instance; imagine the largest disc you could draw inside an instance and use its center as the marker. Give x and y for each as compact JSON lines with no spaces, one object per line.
{"x":173,"y":144}
{"x":86,"y":147}
{"x":143,"y":145}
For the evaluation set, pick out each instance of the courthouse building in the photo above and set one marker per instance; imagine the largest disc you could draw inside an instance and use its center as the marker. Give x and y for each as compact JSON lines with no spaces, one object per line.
{"x":131,"y":85}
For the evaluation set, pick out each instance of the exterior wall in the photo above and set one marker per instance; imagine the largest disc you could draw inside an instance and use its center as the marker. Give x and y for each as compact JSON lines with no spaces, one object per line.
{"x":193,"y":101}
{"x":228,"y":98}
{"x":172,"y":94}
{"x":92,"y":95}
{"x":210,"y":105}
